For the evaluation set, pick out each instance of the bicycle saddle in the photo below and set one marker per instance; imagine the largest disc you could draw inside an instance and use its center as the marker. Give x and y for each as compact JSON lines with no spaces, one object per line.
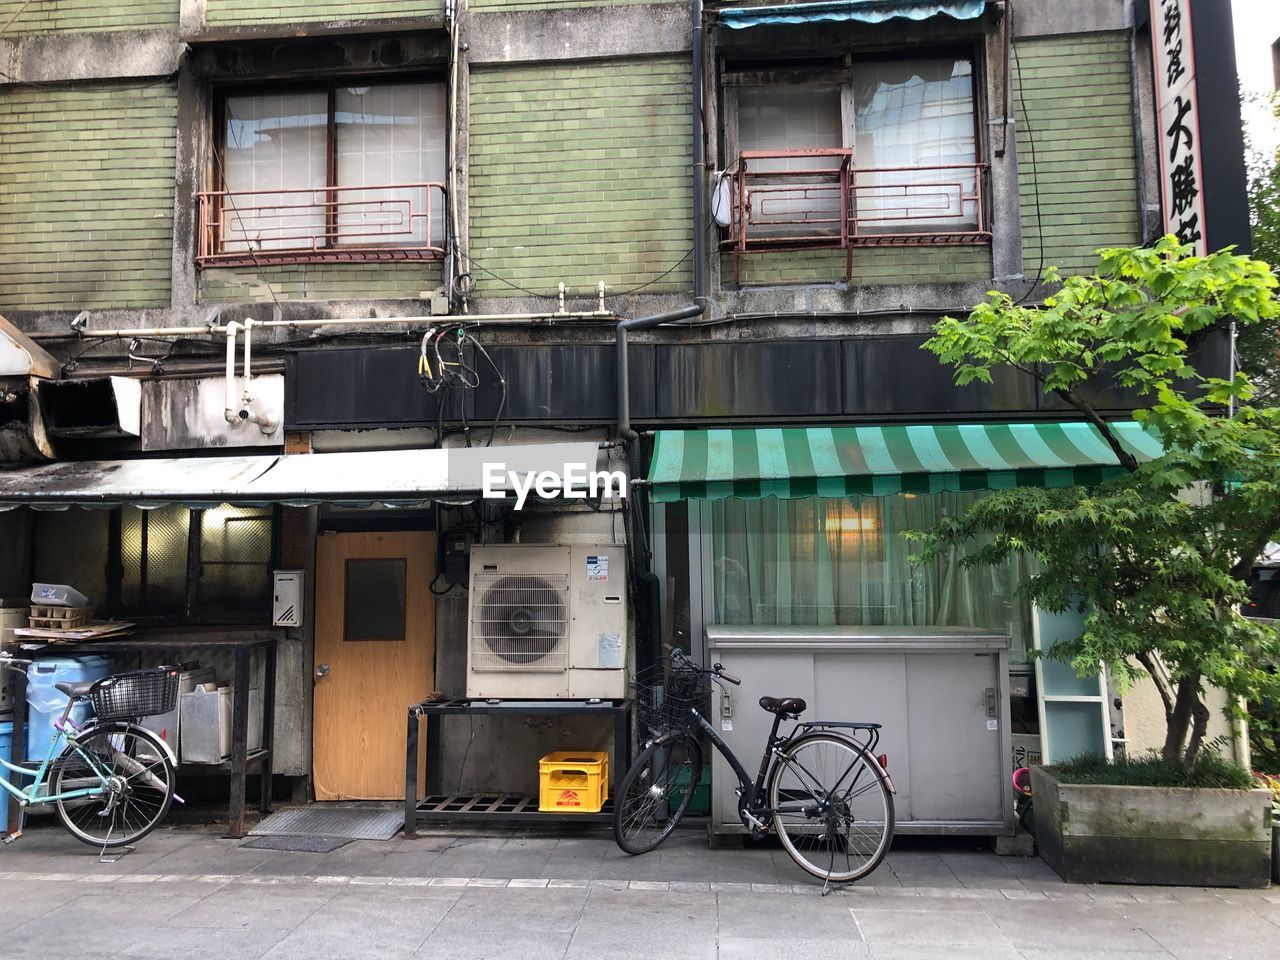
{"x":784,"y":705}
{"x":74,"y":690}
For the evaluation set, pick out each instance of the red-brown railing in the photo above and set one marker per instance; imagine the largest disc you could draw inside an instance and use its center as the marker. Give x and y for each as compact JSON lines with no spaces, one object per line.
{"x":398,"y":221}
{"x":818,"y":199}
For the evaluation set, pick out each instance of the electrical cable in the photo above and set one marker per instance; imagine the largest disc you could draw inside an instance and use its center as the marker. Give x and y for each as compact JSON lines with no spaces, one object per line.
{"x":1035,"y":177}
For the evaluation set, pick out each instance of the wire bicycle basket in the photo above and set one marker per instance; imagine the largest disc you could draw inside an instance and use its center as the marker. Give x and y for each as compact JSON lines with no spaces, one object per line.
{"x":136,"y":693}
{"x":666,"y":692}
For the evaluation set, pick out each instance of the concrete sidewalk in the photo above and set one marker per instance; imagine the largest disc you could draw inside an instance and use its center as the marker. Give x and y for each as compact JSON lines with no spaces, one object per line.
{"x":184,"y":892}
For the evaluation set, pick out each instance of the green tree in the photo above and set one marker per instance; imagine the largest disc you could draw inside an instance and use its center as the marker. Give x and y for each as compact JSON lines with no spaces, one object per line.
{"x":1156,"y":559}
{"x":1259,"y":345}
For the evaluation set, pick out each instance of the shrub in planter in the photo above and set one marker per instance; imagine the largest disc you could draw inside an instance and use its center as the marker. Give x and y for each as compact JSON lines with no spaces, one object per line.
{"x":1152,"y":821}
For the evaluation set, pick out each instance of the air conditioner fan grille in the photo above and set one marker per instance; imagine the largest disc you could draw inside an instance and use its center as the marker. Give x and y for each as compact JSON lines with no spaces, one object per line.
{"x":520,"y":622}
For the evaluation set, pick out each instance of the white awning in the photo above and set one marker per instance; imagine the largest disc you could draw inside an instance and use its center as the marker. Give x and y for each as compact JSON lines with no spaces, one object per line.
{"x":390,"y":477}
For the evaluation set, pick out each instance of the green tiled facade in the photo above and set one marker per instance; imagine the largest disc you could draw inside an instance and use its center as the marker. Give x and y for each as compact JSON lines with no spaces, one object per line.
{"x":1079,"y":111}
{"x":19,"y":18}
{"x":872,"y":266}
{"x":579,"y":173}
{"x":222,"y":13}
{"x":320,"y":281}
{"x":86,"y":195}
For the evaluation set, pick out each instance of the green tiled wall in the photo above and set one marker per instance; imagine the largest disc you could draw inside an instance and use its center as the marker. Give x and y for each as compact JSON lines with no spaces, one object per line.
{"x":19,"y":18}
{"x":323,"y":281}
{"x":579,"y":173}
{"x":86,"y":195}
{"x":1079,"y":109}
{"x":221,"y":13}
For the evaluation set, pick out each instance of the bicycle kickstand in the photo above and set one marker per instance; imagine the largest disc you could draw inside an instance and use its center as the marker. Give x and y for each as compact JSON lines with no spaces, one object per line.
{"x":17,"y":834}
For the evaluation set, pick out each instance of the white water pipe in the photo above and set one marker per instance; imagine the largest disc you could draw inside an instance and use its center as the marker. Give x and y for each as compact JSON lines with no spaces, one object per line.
{"x":243,"y":412}
{"x":603,"y":316}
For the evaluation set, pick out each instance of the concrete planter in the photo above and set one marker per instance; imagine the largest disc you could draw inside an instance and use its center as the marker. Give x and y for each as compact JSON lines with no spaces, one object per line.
{"x":1180,"y":836}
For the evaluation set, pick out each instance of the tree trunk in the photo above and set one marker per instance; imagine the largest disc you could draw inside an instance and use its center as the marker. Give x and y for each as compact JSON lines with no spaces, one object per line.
{"x":1178,"y":720}
{"x":1199,"y":726}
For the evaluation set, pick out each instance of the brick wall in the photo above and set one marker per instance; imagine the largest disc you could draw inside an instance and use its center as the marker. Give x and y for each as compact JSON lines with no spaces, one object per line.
{"x":24,"y":17}
{"x":244,"y":12}
{"x":294,"y":541}
{"x":579,"y":173}
{"x":1079,"y":108}
{"x":86,"y":195}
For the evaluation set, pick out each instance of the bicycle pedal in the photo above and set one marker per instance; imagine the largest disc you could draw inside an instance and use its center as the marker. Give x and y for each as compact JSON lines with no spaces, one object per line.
{"x":12,"y":837}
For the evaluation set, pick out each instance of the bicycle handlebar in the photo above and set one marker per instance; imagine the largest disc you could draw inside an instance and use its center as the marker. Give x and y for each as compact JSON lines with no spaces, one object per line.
{"x":716,"y":670}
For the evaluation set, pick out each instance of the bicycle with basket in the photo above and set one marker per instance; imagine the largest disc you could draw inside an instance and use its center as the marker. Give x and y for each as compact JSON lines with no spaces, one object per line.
{"x":110,"y":780}
{"x":821,"y":788}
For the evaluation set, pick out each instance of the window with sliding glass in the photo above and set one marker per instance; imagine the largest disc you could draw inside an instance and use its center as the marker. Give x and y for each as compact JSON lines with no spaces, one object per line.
{"x":342,"y":172}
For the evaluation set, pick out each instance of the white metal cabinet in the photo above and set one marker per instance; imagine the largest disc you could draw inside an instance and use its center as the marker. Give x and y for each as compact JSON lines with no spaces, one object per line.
{"x":940,"y":694}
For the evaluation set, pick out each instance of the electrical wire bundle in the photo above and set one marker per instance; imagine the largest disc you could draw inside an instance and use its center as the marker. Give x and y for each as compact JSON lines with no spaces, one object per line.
{"x":444,"y":365}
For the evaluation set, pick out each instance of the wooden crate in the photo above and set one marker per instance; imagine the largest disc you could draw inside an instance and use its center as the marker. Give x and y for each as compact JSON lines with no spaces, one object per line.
{"x":59,"y":618}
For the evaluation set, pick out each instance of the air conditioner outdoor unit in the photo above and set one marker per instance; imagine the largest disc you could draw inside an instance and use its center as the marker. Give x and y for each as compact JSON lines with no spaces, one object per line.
{"x":547,"y":622}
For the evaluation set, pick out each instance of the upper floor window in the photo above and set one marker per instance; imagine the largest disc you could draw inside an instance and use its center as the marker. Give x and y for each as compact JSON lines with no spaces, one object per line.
{"x":343,"y":172}
{"x":884,"y":151}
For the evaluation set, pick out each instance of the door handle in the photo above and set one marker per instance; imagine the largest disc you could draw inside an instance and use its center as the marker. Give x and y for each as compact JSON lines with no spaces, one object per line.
{"x":322,"y":670}
{"x":992,"y":701}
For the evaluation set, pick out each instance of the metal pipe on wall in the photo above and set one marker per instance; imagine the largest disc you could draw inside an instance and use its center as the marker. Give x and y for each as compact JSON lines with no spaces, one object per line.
{"x":596,"y":316}
{"x":699,"y":158}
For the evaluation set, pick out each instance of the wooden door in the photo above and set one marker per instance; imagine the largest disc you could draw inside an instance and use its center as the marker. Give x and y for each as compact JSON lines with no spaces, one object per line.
{"x":374,"y":656}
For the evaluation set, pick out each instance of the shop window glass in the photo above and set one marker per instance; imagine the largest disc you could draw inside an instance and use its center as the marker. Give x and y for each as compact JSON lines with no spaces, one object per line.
{"x":828,"y":562}
{"x":149,"y":571}
{"x":233,"y":580}
{"x":153,"y":561}
{"x":375,"y":600}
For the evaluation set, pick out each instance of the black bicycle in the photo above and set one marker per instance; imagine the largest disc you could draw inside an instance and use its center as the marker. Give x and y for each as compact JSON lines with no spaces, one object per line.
{"x":821,"y":788}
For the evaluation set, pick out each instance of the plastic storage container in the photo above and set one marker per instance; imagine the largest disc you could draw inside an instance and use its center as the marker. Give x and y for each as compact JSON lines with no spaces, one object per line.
{"x":47,"y":702}
{"x":573,"y":781}
{"x":57,"y":595}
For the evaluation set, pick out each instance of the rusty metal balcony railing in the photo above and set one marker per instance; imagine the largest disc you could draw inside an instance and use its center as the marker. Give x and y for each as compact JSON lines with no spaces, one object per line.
{"x":817,"y":199}
{"x":401,"y":221}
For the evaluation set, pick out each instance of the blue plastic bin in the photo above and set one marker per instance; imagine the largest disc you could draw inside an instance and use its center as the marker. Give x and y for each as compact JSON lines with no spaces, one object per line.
{"x":6,"y":741}
{"x":47,"y":703}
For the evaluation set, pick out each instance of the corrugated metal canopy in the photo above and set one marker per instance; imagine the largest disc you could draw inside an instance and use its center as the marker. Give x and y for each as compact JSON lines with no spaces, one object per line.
{"x":392,"y":477}
{"x":878,"y":461}
{"x":863,"y":11}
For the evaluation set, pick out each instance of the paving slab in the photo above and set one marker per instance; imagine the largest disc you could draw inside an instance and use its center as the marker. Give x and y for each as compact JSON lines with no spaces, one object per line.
{"x":186,"y":893}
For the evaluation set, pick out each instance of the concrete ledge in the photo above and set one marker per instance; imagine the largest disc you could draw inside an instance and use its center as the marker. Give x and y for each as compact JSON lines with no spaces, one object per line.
{"x":577,"y":34}
{"x":55,"y":58}
{"x":1092,"y":833}
{"x":1047,"y":18}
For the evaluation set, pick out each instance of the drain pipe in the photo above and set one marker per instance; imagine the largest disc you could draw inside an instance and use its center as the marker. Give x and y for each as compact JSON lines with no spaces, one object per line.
{"x":699,"y":159}
{"x":646,"y":584}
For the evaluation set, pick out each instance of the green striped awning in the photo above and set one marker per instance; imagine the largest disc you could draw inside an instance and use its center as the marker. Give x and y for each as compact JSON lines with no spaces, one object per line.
{"x":790,"y":462}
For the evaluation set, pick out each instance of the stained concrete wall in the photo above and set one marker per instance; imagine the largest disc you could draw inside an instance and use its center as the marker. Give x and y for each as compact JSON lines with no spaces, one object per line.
{"x":1144,"y":726}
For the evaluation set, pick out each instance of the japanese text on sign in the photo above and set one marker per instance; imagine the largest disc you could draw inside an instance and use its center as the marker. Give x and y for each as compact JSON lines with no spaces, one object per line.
{"x":1181,"y":171}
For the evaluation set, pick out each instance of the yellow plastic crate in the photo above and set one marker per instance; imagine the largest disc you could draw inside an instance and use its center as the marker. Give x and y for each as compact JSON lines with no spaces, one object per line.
{"x":573,"y":781}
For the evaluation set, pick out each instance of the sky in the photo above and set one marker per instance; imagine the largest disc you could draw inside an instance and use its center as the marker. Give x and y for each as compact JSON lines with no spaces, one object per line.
{"x":1257,"y":26}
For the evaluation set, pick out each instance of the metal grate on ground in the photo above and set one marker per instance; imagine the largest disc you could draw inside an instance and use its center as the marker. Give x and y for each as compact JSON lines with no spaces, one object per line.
{"x":351,"y":823}
{"x":501,"y":808}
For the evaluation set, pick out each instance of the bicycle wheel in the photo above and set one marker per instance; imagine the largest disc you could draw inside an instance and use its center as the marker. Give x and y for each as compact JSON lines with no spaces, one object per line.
{"x":655,"y":793}
{"x":134,"y":767}
{"x":832,"y":807}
